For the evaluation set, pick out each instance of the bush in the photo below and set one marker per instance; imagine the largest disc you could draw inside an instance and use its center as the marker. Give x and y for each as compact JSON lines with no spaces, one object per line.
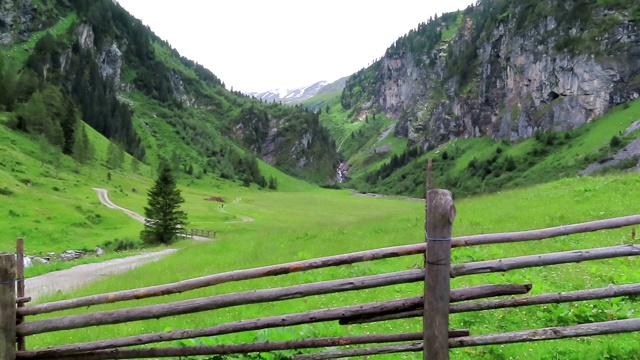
{"x":121,"y":245}
{"x":615,"y":142}
{"x":5,"y":192}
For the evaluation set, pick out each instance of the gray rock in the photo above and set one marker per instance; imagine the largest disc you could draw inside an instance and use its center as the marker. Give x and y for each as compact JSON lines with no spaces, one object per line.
{"x":522,"y":84}
{"x":110,"y":62}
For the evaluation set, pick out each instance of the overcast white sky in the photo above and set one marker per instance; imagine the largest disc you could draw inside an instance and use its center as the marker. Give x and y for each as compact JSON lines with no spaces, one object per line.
{"x":258,"y":45}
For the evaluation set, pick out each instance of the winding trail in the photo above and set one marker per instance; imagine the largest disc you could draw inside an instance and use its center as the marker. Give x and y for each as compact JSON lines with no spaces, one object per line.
{"x":243,"y":219}
{"x":103,"y":196}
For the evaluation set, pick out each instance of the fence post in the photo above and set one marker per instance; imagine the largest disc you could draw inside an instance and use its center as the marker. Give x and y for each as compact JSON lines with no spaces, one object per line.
{"x":20,"y":287}
{"x":440,"y":215}
{"x":7,"y":306}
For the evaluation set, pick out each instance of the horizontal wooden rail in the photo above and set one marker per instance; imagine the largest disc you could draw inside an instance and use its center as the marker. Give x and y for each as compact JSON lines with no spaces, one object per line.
{"x":593,"y":329}
{"x":374,"y":350}
{"x":242,"y":348}
{"x":564,"y":257}
{"x":550,"y":333}
{"x":551,"y":232}
{"x":238,"y":275}
{"x":553,"y":298}
{"x":562,"y":297}
{"x":328,"y":261}
{"x":217,"y":302}
{"x":470,"y":293}
{"x":307,"y":317}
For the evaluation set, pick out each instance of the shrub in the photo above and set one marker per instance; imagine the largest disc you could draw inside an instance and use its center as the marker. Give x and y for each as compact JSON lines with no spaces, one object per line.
{"x":5,"y":192}
{"x":121,"y":245}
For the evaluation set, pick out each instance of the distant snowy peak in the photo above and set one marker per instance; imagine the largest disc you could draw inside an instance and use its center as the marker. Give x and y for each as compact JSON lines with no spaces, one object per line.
{"x":290,"y":96}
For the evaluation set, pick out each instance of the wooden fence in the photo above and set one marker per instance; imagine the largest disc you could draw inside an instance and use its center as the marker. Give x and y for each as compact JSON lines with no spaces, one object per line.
{"x":201,"y":232}
{"x":435,"y":306}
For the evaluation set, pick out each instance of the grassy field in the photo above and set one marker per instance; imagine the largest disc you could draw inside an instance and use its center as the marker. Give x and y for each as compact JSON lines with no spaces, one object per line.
{"x":307,"y":223}
{"x":59,"y":210}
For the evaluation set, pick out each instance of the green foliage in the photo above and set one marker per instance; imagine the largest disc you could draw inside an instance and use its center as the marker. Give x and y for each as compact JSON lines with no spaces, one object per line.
{"x":164,"y":219}
{"x":476,"y":166}
{"x":117,"y":245}
{"x":83,"y":150}
{"x":115,"y":156}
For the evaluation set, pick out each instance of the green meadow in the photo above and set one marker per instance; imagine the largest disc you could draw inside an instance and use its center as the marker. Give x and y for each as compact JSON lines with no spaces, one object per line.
{"x":306,"y":222}
{"x":49,"y":201}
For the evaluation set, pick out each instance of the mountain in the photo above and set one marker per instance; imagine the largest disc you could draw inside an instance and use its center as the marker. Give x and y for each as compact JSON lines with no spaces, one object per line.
{"x":522,"y":78}
{"x":505,"y":69}
{"x":299,"y":95}
{"x":67,"y":63}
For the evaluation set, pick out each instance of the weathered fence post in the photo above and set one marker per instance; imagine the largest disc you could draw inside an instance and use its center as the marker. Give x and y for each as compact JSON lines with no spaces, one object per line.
{"x":7,"y":306}
{"x":20,"y":287}
{"x":440,"y":215}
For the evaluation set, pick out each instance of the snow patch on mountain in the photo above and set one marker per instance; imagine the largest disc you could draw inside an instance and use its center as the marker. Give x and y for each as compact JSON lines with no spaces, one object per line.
{"x":290,"y":96}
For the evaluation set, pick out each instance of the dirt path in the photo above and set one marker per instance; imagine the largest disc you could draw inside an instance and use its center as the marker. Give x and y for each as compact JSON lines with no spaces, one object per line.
{"x":67,"y":280}
{"x":103,"y":196}
{"x":243,"y":218}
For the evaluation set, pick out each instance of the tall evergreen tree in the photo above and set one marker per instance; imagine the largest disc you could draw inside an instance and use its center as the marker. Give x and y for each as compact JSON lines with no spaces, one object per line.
{"x":68,"y":124}
{"x":115,"y":156}
{"x":164,"y":219}
{"x":83,"y":149}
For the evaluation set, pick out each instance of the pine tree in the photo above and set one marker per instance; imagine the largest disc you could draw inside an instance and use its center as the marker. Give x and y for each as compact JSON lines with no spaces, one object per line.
{"x":83,"y":150}
{"x":164,"y":219}
{"x":115,"y":156}
{"x":68,"y":124}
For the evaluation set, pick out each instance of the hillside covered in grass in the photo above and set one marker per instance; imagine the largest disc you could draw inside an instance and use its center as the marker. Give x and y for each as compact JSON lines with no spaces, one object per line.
{"x":299,"y":225}
{"x":93,"y":63}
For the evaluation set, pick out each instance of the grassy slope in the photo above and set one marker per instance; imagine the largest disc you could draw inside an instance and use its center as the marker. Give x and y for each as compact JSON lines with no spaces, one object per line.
{"x":357,"y":139}
{"x":571,"y":152}
{"x":298,"y":225}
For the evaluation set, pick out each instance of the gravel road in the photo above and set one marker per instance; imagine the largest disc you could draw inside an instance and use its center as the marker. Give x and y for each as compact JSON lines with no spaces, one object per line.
{"x":67,"y":280}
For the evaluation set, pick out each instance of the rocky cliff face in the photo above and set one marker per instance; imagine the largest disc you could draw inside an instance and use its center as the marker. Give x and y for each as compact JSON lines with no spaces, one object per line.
{"x":511,"y":70}
{"x":16,"y":21}
{"x":292,"y":140}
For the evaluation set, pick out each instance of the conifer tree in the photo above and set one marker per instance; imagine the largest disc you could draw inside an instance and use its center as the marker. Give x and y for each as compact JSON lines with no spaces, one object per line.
{"x":83,"y":150}
{"x":164,"y":219}
{"x":115,"y":156}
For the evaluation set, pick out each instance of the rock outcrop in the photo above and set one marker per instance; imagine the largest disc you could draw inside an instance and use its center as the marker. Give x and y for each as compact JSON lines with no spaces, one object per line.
{"x":16,"y":21}
{"x":509,"y":77}
{"x":110,"y":62}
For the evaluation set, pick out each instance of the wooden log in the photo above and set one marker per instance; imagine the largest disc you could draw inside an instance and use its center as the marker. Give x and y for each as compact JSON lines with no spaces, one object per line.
{"x":254,"y":324}
{"x":23,"y":300}
{"x":20,"y":288}
{"x":243,"y":348}
{"x":7,"y":306}
{"x":521,"y":262}
{"x":246,"y":274}
{"x":307,"y":317}
{"x":217,"y":302}
{"x":457,"y":295}
{"x":593,"y":329}
{"x":437,"y":289}
{"x":562,"y":297}
{"x":561,"y":332}
{"x":570,"y":296}
{"x":547,"y":233}
{"x":375,"y":350}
